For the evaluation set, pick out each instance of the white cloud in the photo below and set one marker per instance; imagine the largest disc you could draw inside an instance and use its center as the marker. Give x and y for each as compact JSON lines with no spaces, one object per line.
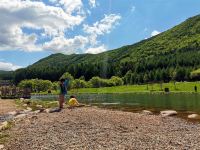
{"x":66,"y":46}
{"x":154,"y":33}
{"x":71,"y":6}
{"x":18,"y":14}
{"x":33,"y":25}
{"x":96,"y":50}
{"x":8,"y":66}
{"x":101,"y":27}
{"x":92,"y":3}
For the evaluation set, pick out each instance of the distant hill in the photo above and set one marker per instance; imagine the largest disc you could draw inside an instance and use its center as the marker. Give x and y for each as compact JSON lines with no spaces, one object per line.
{"x":171,"y":55}
{"x":6,"y":75}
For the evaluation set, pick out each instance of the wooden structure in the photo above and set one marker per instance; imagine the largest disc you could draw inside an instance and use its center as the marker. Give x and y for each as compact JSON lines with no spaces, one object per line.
{"x":12,"y":92}
{"x":5,"y":83}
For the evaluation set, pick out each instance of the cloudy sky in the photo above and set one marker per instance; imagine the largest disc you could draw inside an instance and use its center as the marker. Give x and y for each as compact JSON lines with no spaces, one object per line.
{"x":33,"y":29}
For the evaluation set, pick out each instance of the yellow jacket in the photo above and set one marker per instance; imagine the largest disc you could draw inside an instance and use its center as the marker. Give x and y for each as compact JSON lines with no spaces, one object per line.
{"x":73,"y":102}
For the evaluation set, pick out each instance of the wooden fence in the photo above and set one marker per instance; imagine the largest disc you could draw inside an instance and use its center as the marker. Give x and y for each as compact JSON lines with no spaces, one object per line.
{"x":12,"y":92}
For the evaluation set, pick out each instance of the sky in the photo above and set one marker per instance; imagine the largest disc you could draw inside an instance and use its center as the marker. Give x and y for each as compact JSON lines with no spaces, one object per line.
{"x":34,"y":29}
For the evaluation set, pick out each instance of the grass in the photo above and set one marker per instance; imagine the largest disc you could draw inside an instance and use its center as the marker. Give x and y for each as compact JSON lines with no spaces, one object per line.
{"x":33,"y":104}
{"x":3,"y":137}
{"x":178,"y":87}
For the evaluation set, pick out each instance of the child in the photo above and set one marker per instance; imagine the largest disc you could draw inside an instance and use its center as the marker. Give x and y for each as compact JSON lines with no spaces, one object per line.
{"x":63,"y":91}
{"x":73,"y":101}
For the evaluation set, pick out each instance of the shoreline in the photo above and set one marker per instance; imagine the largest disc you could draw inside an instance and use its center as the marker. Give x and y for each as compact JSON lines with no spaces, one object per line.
{"x":141,"y":92}
{"x":98,"y":128}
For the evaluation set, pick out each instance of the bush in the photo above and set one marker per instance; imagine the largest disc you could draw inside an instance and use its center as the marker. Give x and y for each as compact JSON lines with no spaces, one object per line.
{"x":77,"y":83}
{"x":99,"y":82}
{"x":195,"y":75}
{"x":36,"y":85}
{"x":117,"y":81}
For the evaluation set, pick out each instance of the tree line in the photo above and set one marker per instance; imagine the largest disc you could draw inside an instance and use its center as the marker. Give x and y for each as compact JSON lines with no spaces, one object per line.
{"x":39,"y":85}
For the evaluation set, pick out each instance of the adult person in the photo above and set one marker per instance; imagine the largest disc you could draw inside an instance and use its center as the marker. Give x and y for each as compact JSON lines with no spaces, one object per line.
{"x":63,"y":91}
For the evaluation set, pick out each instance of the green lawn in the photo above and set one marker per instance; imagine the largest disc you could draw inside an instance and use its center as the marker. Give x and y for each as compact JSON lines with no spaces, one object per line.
{"x":178,"y":87}
{"x":186,"y":87}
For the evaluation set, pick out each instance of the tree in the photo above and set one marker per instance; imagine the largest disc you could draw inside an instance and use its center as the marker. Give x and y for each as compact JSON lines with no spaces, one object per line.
{"x":117,"y":81}
{"x":55,"y":86}
{"x":77,"y":83}
{"x":68,"y":76}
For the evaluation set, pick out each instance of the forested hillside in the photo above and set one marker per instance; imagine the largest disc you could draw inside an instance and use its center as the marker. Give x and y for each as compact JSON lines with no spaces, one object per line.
{"x":171,"y":55}
{"x":6,"y":75}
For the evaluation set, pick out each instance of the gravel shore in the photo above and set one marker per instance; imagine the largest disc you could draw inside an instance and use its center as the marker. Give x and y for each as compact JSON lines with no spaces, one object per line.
{"x":95,"y":128}
{"x":7,"y":106}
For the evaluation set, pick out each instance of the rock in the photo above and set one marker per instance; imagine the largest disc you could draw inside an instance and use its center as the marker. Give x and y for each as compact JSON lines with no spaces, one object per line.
{"x":39,"y":106}
{"x":1,"y":146}
{"x":20,"y":116}
{"x":147,"y":112}
{"x":52,"y":110}
{"x":28,"y":108}
{"x":25,"y":105}
{"x":194,"y":116}
{"x":168,"y":113}
{"x":37,"y":111}
{"x":3,"y":125}
{"x":47,"y":110}
{"x":26,"y":111}
{"x":21,"y":99}
{"x":13,"y":113}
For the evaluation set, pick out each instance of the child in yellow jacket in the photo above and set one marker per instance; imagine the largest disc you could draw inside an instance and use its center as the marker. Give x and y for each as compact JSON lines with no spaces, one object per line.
{"x":73,"y":101}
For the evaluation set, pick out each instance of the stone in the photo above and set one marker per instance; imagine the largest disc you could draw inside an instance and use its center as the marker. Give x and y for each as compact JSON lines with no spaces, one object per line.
{"x":168,"y":113}
{"x":37,"y":111}
{"x":25,"y":105}
{"x":21,"y":99}
{"x":1,"y":146}
{"x":39,"y":106}
{"x":26,"y":111}
{"x":13,"y":113}
{"x":28,"y":108}
{"x":20,"y":116}
{"x":194,"y":116}
{"x":147,"y":112}
{"x":48,"y":110}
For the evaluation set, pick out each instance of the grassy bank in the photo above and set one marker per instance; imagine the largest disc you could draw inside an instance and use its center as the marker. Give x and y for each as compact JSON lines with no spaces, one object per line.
{"x":178,"y":87}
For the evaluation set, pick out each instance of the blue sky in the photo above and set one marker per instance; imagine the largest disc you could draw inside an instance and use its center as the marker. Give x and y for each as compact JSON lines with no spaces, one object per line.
{"x":36,"y":29}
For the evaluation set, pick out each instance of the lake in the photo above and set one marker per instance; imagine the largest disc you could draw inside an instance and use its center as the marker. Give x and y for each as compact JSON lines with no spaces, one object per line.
{"x":183,"y":103}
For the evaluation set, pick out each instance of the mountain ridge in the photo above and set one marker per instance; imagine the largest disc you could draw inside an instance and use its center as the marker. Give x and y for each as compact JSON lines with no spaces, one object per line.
{"x":169,"y":52}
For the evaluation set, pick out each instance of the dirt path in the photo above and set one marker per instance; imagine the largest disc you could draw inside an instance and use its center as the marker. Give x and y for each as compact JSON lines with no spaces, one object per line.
{"x":94,"y":128}
{"x":7,"y":106}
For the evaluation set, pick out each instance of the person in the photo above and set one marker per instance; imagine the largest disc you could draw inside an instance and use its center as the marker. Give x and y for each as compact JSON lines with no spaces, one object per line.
{"x":63,"y":92}
{"x":195,"y":88}
{"x":73,"y":101}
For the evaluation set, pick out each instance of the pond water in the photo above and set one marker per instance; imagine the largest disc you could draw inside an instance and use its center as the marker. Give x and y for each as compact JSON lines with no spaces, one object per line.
{"x":184,"y":103}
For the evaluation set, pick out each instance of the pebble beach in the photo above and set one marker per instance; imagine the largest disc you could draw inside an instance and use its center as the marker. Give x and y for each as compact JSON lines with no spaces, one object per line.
{"x":97,"y":128}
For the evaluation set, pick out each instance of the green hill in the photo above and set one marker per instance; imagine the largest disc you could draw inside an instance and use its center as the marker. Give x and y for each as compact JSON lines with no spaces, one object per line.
{"x":6,"y":75}
{"x":171,"y":55}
